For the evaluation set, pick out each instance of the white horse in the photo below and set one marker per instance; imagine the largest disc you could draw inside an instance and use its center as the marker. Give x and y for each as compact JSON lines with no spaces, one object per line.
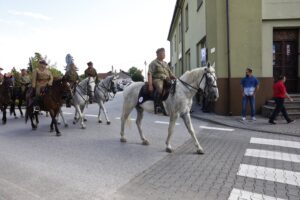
{"x":102,"y":95}
{"x":84,"y":90}
{"x":200,"y":79}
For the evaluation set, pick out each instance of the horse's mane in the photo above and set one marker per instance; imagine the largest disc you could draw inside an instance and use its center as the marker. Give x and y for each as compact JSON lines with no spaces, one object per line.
{"x":192,"y":75}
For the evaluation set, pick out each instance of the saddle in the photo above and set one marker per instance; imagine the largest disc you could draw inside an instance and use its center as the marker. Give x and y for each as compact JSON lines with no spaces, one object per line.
{"x":146,"y":95}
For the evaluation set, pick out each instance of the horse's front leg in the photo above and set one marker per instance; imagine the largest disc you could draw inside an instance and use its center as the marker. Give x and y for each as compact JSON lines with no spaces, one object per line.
{"x":99,"y":113}
{"x":172,"y":122}
{"x":53,"y":115}
{"x":63,"y":118}
{"x":4,"y":115}
{"x":188,"y":123}
{"x":78,"y":110}
{"x":105,"y":112}
{"x":20,"y":107}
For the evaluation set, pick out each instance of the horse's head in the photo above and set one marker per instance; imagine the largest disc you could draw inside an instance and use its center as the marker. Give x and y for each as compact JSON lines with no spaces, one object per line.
{"x":113,"y":84}
{"x":91,"y":87}
{"x":208,"y":83}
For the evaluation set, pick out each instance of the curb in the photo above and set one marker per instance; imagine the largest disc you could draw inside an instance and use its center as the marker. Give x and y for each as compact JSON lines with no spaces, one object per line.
{"x":241,"y":127}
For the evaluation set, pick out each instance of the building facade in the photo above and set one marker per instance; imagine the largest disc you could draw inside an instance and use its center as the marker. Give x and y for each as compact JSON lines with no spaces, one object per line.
{"x":235,"y":34}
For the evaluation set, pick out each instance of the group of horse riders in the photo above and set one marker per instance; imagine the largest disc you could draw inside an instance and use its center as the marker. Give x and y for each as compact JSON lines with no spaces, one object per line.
{"x":158,"y":73}
{"x":42,"y":77}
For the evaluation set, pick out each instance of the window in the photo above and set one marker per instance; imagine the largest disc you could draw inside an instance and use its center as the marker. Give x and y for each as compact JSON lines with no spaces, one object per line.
{"x":202,"y":54}
{"x":187,"y":17}
{"x":188,"y":60}
{"x":199,"y":4}
{"x":174,"y":44}
{"x":179,"y":32}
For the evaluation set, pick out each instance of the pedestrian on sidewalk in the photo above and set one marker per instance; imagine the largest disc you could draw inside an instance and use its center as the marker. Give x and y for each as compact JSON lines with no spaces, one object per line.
{"x":250,"y":86}
{"x":279,"y":94}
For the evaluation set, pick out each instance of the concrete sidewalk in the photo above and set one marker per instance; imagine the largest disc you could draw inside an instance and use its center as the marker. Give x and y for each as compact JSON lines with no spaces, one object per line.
{"x":261,"y":124}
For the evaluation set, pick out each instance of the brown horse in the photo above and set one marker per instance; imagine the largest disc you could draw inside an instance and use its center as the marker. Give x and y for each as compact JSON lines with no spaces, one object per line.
{"x":51,"y":101}
{"x":5,"y":96}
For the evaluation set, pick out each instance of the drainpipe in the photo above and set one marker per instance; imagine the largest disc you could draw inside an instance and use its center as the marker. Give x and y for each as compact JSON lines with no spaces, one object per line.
{"x":182,"y":37}
{"x":228,"y":58}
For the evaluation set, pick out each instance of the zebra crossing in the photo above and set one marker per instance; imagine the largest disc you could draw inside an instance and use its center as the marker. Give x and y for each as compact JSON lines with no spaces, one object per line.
{"x":290,"y":178}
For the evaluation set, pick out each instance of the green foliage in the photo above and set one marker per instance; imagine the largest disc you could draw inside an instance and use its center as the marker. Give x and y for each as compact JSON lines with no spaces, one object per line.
{"x":136,"y":74}
{"x":34,"y":63}
{"x":16,"y":75}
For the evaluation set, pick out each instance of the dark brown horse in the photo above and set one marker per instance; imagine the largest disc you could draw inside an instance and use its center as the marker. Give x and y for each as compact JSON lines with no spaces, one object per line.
{"x":17,"y":94}
{"x":5,"y":96}
{"x":51,"y":101}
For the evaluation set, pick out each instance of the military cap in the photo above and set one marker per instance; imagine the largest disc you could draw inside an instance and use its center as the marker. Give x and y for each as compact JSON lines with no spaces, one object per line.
{"x":43,"y":62}
{"x":160,"y":50}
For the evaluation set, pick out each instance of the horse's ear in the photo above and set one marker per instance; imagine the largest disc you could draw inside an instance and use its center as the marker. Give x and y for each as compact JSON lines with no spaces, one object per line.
{"x":208,"y":64}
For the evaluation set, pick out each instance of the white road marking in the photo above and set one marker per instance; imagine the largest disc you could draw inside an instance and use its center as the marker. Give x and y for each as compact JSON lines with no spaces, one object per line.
{"x":270,"y":174}
{"x":216,"y":128}
{"x":274,"y":155}
{"x":237,"y":194}
{"x":167,"y":123}
{"x":89,"y":115}
{"x":281,"y":143}
{"x":132,"y":119}
{"x":67,"y":113}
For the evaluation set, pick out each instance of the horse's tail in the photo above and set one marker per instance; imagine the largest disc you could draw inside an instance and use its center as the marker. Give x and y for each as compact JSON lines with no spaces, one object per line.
{"x":12,"y":108}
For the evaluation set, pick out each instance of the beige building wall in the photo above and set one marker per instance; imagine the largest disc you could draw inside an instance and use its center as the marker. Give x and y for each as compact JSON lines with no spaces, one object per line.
{"x":280,"y":9}
{"x":196,"y":31}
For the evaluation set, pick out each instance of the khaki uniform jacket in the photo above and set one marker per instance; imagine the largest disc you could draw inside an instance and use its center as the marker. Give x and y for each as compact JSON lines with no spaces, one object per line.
{"x":72,"y":76}
{"x":24,"y":82}
{"x":90,"y":72}
{"x":41,"y":79}
{"x":159,"y":70}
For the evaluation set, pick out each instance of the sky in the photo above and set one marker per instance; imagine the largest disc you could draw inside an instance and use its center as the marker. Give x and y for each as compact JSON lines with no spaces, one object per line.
{"x":119,"y":33}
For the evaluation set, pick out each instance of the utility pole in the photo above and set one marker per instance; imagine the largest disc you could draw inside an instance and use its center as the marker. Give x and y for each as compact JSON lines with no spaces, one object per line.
{"x":145,"y":70}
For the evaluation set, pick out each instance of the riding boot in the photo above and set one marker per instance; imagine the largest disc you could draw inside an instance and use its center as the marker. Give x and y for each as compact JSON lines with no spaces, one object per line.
{"x":68,"y":102}
{"x":36,"y":103}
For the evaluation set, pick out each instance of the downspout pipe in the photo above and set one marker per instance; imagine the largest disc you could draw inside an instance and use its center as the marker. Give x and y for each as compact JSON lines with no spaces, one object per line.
{"x":228,"y":58}
{"x":182,"y":38}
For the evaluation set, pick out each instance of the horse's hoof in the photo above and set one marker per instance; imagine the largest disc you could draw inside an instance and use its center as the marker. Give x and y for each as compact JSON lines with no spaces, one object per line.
{"x":108,"y":123}
{"x":58,"y":134}
{"x":145,"y":142}
{"x":123,"y":140}
{"x":34,"y":128}
{"x":84,"y":120}
{"x":169,"y":150}
{"x":74,"y":123}
{"x":83,"y":127}
{"x":100,"y":121}
{"x":66,"y":125}
{"x":200,"y":151}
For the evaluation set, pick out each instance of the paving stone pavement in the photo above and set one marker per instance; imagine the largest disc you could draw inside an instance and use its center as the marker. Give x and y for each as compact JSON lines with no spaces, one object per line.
{"x":214,"y":175}
{"x":261,"y":124}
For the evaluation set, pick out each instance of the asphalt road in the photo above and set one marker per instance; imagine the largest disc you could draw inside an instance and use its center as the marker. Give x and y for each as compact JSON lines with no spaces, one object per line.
{"x":81,"y":164}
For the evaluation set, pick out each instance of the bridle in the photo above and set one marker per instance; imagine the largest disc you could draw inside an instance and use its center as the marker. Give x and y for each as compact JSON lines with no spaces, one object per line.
{"x":107,"y":88}
{"x":83,"y":90}
{"x":207,"y":83}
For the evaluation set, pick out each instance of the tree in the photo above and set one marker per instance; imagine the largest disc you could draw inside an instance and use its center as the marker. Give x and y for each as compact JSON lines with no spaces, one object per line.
{"x":34,"y":63}
{"x":16,"y":76}
{"x":136,"y":74}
